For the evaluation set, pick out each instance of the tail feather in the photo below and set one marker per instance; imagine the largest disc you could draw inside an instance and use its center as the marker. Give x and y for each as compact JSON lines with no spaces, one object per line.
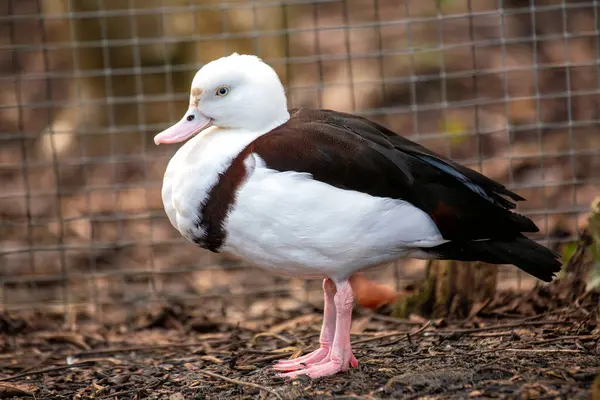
{"x":522,"y":252}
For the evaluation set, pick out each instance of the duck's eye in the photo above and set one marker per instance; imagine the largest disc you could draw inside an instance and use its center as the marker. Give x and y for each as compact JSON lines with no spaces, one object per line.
{"x":190,"y":117}
{"x":222,"y":91}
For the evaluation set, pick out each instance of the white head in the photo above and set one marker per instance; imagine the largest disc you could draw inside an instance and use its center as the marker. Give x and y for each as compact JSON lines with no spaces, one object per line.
{"x":234,"y":92}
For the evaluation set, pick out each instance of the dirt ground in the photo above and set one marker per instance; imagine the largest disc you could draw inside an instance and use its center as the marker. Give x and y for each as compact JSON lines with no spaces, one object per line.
{"x":179,"y":352}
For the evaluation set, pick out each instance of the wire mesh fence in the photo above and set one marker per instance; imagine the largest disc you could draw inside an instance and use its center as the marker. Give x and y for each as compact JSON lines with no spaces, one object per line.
{"x":510,"y":88}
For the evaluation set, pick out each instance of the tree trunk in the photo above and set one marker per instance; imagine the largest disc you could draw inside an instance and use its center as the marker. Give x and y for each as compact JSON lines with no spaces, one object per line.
{"x":450,"y":288}
{"x":595,"y":247}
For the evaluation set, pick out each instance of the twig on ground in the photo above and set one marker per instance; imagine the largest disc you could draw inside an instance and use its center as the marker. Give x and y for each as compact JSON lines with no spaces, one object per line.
{"x":301,"y":320}
{"x":270,"y":334}
{"x":495,"y":368}
{"x":494,"y":327}
{"x":548,"y":313}
{"x":309,"y":336}
{"x":50,"y":369}
{"x":393,"y":320}
{"x":560,"y":339}
{"x":544,"y":350}
{"x":387,"y":335}
{"x":241,"y":383}
{"x":134,"y":390}
{"x":491,"y":334}
{"x":272,"y":357}
{"x":462,"y":331}
{"x":41,"y":362}
{"x":145,"y":348}
{"x":259,"y":352}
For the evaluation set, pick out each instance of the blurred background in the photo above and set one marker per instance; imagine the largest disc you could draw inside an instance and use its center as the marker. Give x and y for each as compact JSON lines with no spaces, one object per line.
{"x":510,"y":88}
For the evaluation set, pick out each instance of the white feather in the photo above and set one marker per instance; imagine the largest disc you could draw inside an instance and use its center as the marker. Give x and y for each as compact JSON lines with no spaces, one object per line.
{"x":291,"y":224}
{"x":194,"y":170}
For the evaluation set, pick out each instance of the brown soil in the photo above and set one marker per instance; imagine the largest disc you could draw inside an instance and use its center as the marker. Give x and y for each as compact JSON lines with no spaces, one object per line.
{"x":198,"y":354}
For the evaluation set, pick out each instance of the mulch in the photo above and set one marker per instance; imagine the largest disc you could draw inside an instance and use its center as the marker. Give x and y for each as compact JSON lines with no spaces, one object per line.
{"x":179,"y":352}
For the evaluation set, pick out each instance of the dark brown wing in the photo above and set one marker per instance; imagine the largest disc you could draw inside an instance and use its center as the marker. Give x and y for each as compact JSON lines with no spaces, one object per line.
{"x":353,"y":153}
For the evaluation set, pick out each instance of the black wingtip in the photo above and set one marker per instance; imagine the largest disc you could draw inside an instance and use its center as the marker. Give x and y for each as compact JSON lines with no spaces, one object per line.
{"x":511,"y":194}
{"x":522,"y":252}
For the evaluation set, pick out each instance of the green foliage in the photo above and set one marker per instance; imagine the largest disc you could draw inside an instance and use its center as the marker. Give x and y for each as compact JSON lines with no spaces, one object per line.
{"x":440,"y":3}
{"x":568,"y":249}
{"x":594,"y":249}
{"x":455,"y":128}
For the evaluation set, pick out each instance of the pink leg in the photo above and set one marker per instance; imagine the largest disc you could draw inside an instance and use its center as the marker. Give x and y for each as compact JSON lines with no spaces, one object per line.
{"x":327,"y":334}
{"x":340,"y":358}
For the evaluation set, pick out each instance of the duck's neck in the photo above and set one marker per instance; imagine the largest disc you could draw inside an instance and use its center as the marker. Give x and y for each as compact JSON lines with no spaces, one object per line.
{"x":218,"y":146}
{"x":215,"y":148}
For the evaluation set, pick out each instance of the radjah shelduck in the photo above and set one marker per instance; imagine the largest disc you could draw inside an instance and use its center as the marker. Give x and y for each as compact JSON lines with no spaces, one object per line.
{"x":324,"y":194}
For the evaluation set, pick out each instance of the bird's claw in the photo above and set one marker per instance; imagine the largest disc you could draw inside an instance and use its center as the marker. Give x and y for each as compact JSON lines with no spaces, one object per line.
{"x":314,"y":367}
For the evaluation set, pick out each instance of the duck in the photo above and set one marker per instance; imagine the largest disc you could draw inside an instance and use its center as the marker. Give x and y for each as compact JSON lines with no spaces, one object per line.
{"x":323,"y":194}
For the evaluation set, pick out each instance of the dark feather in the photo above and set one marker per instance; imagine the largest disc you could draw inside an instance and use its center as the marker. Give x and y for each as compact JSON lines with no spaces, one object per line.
{"x":526,"y":254}
{"x":477,"y":182}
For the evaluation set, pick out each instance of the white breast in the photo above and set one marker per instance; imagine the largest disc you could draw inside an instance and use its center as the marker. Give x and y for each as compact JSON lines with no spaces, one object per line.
{"x":194,"y":170}
{"x":294,"y":225}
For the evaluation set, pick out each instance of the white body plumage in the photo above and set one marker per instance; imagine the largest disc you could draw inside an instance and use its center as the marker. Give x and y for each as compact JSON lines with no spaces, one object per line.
{"x":286,"y":221}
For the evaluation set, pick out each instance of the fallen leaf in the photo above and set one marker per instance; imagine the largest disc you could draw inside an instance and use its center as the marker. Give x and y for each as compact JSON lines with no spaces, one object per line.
{"x":212,"y":359}
{"x":555,"y":374}
{"x":8,"y":390}
{"x":73,"y":338}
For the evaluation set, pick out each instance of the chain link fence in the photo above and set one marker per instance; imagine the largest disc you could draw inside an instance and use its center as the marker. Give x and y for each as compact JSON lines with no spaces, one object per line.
{"x":510,"y":88}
